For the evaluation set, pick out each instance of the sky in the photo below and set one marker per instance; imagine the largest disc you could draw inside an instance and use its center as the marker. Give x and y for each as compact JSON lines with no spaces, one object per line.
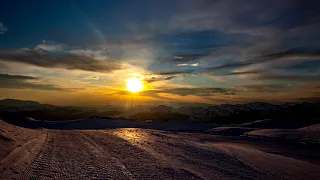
{"x":70,"y":52}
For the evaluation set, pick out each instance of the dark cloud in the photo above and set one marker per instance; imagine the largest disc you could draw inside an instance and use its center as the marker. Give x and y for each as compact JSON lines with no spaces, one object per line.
{"x":260,"y":88}
{"x":234,"y":73}
{"x":240,"y":73}
{"x":228,"y":65}
{"x":154,"y":79}
{"x":25,"y":82}
{"x":165,"y":76}
{"x":289,"y":77}
{"x":198,"y":91}
{"x":302,"y":53}
{"x":16,"y":77}
{"x":61,"y":59}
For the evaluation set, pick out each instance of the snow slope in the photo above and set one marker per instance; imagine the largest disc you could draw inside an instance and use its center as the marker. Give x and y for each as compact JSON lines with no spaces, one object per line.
{"x":306,"y":134}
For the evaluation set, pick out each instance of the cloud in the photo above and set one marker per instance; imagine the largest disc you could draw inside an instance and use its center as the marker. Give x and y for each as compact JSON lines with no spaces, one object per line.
{"x":3,"y":28}
{"x":10,"y":81}
{"x":276,"y":37}
{"x":209,"y":70}
{"x":233,"y":73}
{"x":239,"y":73}
{"x":165,"y":73}
{"x":243,"y":16}
{"x":284,"y":57}
{"x":193,"y":64}
{"x":164,"y":76}
{"x":50,"y":56}
{"x":16,"y":77}
{"x":156,"y":79}
{"x":49,"y":46}
{"x":264,"y":88}
{"x":289,"y":77}
{"x":198,"y":91}
{"x":228,"y":65}
{"x":282,"y":91}
{"x":183,"y":58}
{"x":297,"y":53}
{"x":300,"y":54}
{"x":239,"y":42}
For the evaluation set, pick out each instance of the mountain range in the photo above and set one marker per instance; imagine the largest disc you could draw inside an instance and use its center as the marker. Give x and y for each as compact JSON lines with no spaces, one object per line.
{"x":292,"y":114}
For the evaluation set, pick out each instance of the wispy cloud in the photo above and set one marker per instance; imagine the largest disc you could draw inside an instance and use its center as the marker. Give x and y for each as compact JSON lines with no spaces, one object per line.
{"x":10,"y":81}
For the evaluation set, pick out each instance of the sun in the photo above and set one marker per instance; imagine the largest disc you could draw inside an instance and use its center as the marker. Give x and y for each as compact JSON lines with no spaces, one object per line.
{"x":134,"y":85}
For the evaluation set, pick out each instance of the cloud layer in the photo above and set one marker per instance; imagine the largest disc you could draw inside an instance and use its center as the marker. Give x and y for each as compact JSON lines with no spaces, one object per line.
{"x":53,"y":56}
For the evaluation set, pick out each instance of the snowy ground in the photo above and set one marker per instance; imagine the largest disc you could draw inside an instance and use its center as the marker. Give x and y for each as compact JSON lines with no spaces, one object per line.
{"x":13,"y":137}
{"x":309,"y":134}
{"x":135,"y":153}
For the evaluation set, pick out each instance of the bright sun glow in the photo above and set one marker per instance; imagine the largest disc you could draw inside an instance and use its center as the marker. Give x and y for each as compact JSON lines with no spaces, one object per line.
{"x":134,"y":85}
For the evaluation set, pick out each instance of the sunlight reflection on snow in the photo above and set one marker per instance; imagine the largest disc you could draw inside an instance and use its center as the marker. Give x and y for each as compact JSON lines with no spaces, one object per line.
{"x":134,"y":136}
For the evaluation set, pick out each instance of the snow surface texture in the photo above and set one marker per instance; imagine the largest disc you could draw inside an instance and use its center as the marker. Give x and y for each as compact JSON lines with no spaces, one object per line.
{"x":134,"y":153}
